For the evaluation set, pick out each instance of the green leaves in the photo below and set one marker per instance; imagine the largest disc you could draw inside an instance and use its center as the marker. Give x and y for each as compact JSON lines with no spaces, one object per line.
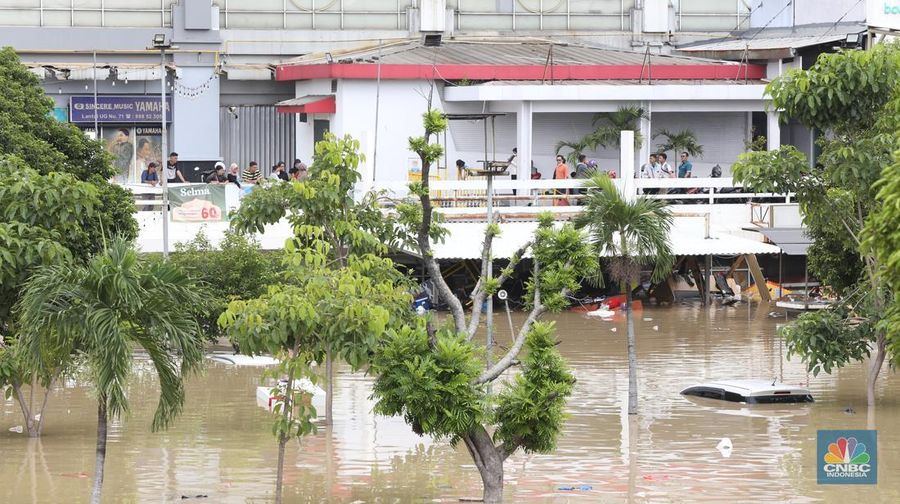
{"x":841,"y":91}
{"x":105,"y":309}
{"x":828,"y":339}
{"x":431,"y":388}
{"x":529,"y":411}
{"x":637,"y":232}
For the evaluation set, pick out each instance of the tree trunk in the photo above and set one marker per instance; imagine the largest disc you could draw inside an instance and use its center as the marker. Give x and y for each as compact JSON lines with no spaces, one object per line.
{"x":875,"y":369}
{"x":287,"y":410}
{"x":26,"y":411}
{"x":329,"y":387}
{"x":489,"y":462}
{"x":101,"y":449}
{"x":632,"y":357}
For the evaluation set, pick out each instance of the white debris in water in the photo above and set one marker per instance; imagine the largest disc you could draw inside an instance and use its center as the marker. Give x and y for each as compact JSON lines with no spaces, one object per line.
{"x":613,"y":329}
{"x":725,"y":447}
{"x":656,"y":328}
{"x":648,"y":319}
{"x":18,"y":429}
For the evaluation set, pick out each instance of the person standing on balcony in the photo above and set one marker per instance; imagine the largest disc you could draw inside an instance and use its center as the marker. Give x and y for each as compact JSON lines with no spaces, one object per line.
{"x":252,"y":175}
{"x":561,"y":173}
{"x":149,"y":176}
{"x":173,"y":172}
{"x":665,"y":169}
{"x":684,"y":169}
{"x":650,"y":170}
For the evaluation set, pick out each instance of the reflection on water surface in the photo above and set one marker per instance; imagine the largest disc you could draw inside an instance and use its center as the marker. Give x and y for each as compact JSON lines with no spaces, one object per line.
{"x":222,"y":445}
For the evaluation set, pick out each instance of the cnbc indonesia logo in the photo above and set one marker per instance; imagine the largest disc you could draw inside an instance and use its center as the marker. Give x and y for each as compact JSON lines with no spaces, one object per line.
{"x":848,"y":458}
{"x":891,"y":9}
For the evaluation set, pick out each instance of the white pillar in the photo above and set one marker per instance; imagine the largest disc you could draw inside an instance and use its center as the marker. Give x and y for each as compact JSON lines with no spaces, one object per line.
{"x":626,"y":164}
{"x":524,"y":133}
{"x":646,"y":146}
{"x":773,"y":134}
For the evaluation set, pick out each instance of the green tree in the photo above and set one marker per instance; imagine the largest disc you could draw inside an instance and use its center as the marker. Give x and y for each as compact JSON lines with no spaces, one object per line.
{"x":235,"y":269}
{"x":632,"y":234}
{"x":679,"y":141}
{"x":318,"y":309}
{"x":55,"y":205}
{"x":321,"y":209}
{"x":607,"y":131}
{"x":100,"y":313}
{"x":439,"y":380}
{"x":850,"y":96}
{"x":42,"y":221}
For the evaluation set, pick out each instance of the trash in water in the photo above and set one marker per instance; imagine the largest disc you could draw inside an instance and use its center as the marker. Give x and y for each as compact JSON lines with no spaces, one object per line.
{"x":725,"y":447}
{"x":613,"y":329}
{"x":17,"y":429}
{"x":656,"y":328}
{"x":580,"y":488}
{"x":648,"y":319}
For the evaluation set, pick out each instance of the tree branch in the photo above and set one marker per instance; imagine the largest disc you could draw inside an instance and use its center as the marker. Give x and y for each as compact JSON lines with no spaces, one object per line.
{"x":424,"y":241}
{"x":477,"y":301}
{"x":508,"y":359}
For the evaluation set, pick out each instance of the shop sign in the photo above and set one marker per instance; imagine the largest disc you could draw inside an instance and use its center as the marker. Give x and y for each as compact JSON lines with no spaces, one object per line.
{"x":883,"y":14}
{"x":119,"y":109}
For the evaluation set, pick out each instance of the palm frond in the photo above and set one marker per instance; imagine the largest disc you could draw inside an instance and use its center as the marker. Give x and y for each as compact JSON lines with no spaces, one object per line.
{"x":636,"y":231}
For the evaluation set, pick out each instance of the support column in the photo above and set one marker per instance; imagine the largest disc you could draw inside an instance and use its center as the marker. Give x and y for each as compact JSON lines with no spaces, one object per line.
{"x":626,"y":164}
{"x":773,"y":131}
{"x":524,"y":132}
{"x":646,"y":147}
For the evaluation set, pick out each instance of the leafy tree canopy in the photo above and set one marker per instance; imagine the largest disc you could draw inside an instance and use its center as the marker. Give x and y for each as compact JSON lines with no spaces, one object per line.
{"x":852,"y":98}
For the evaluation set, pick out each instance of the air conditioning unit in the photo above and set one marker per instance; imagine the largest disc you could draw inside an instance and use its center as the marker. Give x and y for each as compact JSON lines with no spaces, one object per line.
{"x":433,"y":15}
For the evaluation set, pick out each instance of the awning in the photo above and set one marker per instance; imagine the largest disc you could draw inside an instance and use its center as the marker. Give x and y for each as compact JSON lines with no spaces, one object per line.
{"x":310,"y":104}
{"x":687,"y":237}
{"x":771,"y":43}
{"x":791,"y":241}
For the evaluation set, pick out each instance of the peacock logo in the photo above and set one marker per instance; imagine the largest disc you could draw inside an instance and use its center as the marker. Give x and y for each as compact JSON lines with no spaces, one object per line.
{"x":847,"y":451}
{"x":847,"y":457}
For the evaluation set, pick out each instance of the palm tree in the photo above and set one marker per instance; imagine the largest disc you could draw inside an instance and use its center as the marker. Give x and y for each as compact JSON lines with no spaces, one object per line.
{"x":679,"y":141}
{"x":609,"y":126}
{"x":607,"y":131}
{"x":102,"y":312}
{"x":631,"y":234}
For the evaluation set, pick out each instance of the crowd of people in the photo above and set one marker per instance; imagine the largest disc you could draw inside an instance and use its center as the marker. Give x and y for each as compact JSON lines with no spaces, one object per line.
{"x":219,"y":175}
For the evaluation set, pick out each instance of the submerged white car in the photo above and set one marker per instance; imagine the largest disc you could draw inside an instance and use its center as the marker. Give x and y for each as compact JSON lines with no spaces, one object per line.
{"x":750,"y":392}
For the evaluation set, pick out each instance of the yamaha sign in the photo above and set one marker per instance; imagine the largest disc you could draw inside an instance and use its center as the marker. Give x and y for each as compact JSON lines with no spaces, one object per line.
{"x":884,"y":14}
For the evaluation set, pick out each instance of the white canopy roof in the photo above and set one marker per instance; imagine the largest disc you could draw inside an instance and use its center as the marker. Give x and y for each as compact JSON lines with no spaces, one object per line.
{"x":687,"y":237}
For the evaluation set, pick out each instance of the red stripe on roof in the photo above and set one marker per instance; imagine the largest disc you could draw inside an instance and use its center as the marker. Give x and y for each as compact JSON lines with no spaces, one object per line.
{"x":519,"y":72}
{"x":324,"y":106}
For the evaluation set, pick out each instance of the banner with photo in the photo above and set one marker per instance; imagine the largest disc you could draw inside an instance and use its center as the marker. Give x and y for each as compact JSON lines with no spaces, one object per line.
{"x":120,"y":143}
{"x":198,"y":203}
{"x":148,"y":148}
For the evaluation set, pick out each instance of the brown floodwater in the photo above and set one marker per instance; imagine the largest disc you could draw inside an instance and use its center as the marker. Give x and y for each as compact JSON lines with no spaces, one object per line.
{"x":222,"y":446}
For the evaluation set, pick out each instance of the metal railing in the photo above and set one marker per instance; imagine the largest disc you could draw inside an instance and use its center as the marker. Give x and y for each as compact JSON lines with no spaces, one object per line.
{"x":507,"y":192}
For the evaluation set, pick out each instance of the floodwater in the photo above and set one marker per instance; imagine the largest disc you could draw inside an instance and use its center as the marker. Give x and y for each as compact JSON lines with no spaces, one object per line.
{"x":222,"y":447}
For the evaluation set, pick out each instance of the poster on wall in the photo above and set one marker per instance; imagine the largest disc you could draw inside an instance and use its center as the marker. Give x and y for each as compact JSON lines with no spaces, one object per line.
{"x":198,"y":203}
{"x":120,"y":143}
{"x":148,"y":148}
{"x":414,"y":169}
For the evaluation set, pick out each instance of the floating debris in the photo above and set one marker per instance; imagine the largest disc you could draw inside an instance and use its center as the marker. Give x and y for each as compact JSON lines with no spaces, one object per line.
{"x":614,"y":329}
{"x":656,"y":328}
{"x":17,"y":429}
{"x":580,"y":488}
{"x":725,"y":447}
{"x":648,"y":319}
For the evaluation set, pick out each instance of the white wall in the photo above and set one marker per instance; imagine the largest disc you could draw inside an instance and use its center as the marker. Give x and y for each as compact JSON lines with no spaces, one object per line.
{"x":400,"y":117}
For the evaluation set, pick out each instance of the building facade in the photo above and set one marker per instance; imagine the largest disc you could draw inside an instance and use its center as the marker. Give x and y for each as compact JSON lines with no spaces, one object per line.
{"x":220,"y":74}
